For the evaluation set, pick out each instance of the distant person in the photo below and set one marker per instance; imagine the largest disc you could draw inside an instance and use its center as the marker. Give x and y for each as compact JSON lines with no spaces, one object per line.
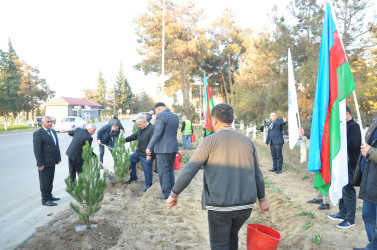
{"x":165,"y":145}
{"x":47,"y":153}
{"x":366,"y":178}
{"x":232,"y":179}
{"x":143,"y":136}
{"x":153,"y":117}
{"x":105,"y":137}
{"x":276,"y":141}
{"x":187,"y":131}
{"x":121,"y":128}
{"x":148,"y":117}
{"x":347,"y":204}
{"x":74,"y":151}
{"x":319,"y":198}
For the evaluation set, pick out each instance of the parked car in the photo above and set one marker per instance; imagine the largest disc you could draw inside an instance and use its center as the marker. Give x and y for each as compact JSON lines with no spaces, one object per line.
{"x":38,"y":121}
{"x":70,"y":123}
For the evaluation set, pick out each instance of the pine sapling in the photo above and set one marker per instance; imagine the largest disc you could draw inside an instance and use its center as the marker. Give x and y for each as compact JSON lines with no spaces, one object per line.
{"x":88,"y":189}
{"x":121,"y":157}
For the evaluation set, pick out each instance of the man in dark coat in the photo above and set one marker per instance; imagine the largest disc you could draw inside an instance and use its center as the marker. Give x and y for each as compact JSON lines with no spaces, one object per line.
{"x":143,"y":135}
{"x":276,"y":141}
{"x":105,"y":136}
{"x":165,"y":145}
{"x":47,"y":154}
{"x":74,"y":151}
{"x":366,"y":178}
{"x":347,"y":204}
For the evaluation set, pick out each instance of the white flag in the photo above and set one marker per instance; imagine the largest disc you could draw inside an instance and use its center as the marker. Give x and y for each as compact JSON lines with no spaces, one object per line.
{"x":293,"y":117}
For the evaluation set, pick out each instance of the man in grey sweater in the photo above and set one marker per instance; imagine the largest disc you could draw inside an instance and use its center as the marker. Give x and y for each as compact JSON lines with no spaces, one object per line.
{"x":232,"y":179}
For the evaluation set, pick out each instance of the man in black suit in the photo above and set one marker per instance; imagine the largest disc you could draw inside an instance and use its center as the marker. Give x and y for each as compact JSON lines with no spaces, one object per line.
{"x":143,"y":135}
{"x":105,"y":136}
{"x":165,"y":145}
{"x":47,"y":154}
{"x":276,"y":141}
{"x":74,"y":151}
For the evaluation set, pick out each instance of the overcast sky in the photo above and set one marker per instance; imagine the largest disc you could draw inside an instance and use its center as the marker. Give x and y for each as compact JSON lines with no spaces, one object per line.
{"x":70,"y":41}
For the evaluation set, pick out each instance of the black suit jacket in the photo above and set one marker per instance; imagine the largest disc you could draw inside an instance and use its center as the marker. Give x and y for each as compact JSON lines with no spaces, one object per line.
{"x":46,"y":152}
{"x":275,"y":132}
{"x":106,"y":133}
{"x":143,"y":137}
{"x":80,"y":137}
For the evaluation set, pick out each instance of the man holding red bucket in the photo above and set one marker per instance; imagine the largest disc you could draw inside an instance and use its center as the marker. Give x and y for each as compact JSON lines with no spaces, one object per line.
{"x":233,"y":180}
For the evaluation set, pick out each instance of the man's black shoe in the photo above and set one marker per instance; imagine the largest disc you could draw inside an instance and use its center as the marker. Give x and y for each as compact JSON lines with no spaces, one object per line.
{"x":324,"y":206}
{"x":54,"y":199}
{"x":129,"y":181}
{"x":272,"y":170}
{"x":278,"y":172}
{"x":315,"y":201}
{"x":162,"y":197}
{"x":49,"y":203}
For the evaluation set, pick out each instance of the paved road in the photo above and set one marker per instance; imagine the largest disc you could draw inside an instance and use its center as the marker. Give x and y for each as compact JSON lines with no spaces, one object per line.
{"x":21,"y":212}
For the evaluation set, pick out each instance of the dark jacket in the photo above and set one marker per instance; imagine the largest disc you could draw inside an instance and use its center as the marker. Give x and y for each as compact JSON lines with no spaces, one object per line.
{"x":80,"y":137}
{"x":368,"y":179}
{"x":143,"y":136}
{"x":164,"y":139}
{"x":275,"y":132}
{"x":46,"y":152}
{"x":353,"y":143}
{"x":106,"y":133}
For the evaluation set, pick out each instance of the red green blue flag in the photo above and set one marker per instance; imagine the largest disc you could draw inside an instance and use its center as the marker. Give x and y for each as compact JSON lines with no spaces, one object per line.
{"x":208,"y":105}
{"x":328,"y":139}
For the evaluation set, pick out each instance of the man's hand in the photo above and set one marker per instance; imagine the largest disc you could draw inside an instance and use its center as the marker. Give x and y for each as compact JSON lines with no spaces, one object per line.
{"x":264,"y":206}
{"x":148,"y":151}
{"x":171,"y":201}
{"x":149,"y":158}
{"x":266,"y":145}
{"x":59,"y":162}
{"x":99,"y":142}
{"x":41,"y":168}
{"x":301,"y":131}
{"x":284,"y":119}
{"x":364,"y":149}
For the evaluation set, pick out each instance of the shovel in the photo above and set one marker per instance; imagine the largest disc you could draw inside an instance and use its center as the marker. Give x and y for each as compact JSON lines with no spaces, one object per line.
{"x":106,"y":146}
{"x":110,"y":175}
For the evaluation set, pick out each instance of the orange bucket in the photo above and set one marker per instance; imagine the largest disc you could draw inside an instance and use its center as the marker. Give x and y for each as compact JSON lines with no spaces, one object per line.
{"x":261,"y":237}
{"x":178,"y":160}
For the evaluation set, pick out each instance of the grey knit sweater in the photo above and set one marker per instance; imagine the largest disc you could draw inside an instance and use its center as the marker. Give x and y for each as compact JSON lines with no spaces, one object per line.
{"x":232,"y":177}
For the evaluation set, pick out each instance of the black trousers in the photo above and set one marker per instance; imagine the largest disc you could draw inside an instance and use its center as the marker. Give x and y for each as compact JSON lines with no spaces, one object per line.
{"x":74,"y":167}
{"x":46,"y":178}
{"x":224,"y":228}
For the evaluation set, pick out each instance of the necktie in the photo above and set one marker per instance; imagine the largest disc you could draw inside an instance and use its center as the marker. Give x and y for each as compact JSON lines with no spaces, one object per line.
{"x":49,"y":132}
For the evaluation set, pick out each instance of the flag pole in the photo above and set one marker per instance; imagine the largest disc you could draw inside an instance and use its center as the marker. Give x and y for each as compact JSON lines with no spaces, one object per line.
{"x":359,"y":117}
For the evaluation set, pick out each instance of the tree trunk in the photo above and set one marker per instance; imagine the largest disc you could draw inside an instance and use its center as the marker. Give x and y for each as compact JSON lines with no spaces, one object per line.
{"x":5,"y":122}
{"x":223,"y":81}
{"x":185,"y":87}
{"x":230,"y":81}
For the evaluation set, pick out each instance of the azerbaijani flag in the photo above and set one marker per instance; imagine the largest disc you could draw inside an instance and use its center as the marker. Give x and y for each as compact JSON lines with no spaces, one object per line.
{"x":208,"y":103}
{"x":328,"y":139}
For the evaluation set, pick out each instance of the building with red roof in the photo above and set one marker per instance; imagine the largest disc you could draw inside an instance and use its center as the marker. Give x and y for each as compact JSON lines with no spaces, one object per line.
{"x":61,"y":107}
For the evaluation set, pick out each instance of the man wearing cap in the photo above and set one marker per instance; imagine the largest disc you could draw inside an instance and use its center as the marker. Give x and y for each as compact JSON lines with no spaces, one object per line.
{"x":165,"y":145}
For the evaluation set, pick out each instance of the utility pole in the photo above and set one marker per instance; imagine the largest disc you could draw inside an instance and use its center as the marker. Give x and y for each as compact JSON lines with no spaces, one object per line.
{"x":163,"y":51}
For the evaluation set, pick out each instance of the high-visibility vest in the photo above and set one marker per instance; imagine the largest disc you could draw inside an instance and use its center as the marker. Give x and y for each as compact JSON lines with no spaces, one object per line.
{"x":188,"y":129}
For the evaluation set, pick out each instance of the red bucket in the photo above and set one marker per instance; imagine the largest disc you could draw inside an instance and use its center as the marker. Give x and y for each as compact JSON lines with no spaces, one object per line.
{"x":261,"y":237}
{"x":178,"y":160}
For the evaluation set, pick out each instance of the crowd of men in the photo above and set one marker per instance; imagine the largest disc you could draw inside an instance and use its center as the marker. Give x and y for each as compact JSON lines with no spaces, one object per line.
{"x":229,"y":162}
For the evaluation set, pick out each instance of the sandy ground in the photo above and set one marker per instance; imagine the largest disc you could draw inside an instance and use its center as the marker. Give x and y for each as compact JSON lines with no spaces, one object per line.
{"x":132,"y":219}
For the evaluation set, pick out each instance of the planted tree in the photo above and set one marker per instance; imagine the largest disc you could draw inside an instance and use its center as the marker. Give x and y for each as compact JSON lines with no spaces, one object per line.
{"x":88,"y":189}
{"x":121,"y":157}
